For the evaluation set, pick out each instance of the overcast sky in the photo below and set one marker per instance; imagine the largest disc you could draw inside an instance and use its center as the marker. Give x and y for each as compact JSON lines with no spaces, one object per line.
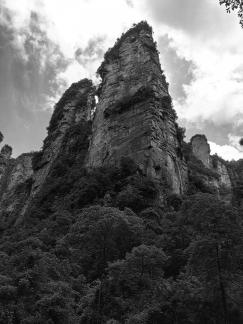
{"x":45,"y":45}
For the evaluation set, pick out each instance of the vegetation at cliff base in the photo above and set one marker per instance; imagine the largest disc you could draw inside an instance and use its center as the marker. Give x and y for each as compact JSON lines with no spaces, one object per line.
{"x":98,"y":247}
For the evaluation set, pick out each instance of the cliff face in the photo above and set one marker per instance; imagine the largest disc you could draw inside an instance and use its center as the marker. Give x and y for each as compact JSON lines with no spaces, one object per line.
{"x":23,"y":178}
{"x":76,"y":105}
{"x":201,"y":149}
{"x":218,"y":177}
{"x":73,"y":110}
{"x":134,"y":116}
{"x":15,"y":184}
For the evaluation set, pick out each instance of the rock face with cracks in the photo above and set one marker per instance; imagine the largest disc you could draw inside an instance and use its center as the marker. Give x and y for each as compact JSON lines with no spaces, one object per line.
{"x":134,"y":116}
{"x":23,"y":178}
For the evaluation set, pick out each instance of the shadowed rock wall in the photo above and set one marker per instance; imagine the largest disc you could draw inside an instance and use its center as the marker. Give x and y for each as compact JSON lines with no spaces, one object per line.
{"x":23,"y":178}
{"x":75,"y":105}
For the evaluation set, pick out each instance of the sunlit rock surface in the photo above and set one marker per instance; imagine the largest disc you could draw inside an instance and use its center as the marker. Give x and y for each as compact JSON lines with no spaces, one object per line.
{"x":134,"y":116}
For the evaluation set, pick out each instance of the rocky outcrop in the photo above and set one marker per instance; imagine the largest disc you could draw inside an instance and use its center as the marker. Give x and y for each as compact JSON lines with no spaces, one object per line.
{"x":215,"y":172}
{"x":134,"y":115}
{"x":75,"y":108}
{"x":15,"y":184}
{"x":23,"y":178}
{"x":77,"y":104}
{"x":15,"y":188}
{"x":201,"y":149}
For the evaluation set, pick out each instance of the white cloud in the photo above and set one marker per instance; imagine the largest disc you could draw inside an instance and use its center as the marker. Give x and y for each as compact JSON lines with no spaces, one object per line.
{"x":73,"y":23}
{"x":227,"y":152}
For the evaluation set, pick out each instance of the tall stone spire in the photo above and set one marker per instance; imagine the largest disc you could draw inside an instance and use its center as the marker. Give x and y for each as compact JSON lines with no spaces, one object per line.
{"x":134,"y":116}
{"x":75,"y":105}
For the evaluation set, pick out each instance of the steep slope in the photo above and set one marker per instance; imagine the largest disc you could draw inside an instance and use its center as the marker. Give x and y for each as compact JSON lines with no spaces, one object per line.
{"x":74,"y":110}
{"x":134,"y":116}
{"x":75,"y":105}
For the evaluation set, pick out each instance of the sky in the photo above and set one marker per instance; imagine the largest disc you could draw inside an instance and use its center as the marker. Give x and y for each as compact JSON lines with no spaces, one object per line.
{"x":45,"y":45}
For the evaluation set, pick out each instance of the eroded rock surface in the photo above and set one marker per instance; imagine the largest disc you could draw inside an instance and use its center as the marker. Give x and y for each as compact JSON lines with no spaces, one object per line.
{"x":76,"y":104}
{"x":218,"y":175}
{"x":23,"y":178}
{"x":134,"y":116}
{"x":15,"y":186}
{"x":201,"y":149}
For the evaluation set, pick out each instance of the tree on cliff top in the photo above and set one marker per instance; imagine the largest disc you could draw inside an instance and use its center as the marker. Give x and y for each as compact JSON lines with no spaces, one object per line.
{"x":232,"y":5}
{"x":1,"y":137}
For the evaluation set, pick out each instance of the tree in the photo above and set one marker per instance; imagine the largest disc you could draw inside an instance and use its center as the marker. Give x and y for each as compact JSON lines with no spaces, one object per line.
{"x":101,"y":235}
{"x":215,"y":251}
{"x":132,"y":286}
{"x":232,"y":5}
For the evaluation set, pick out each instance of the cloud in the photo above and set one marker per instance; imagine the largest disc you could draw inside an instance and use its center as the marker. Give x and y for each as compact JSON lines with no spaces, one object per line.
{"x":129,"y":3}
{"x":197,"y":18}
{"x":30,"y":65}
{"x":214,"y":132}
{"x":178,"y":70}
{"x":227,"y":152}
{"x":92,"y":52}
{"x":90,"y":56}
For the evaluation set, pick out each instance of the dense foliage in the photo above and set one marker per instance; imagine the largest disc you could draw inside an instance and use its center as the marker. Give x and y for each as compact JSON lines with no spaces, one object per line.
{"x":98,"y":247}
